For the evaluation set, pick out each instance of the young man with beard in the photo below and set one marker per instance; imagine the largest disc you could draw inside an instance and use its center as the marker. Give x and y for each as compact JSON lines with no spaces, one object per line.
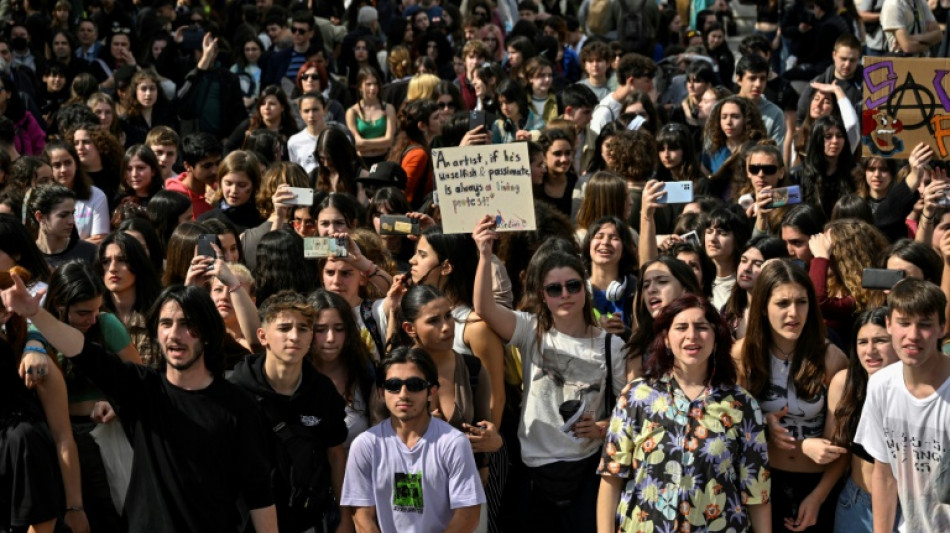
{"x":199,"y":440}
{"x":904,"y":421}
{"x":412,"y":472}
{"x":304,"y":410}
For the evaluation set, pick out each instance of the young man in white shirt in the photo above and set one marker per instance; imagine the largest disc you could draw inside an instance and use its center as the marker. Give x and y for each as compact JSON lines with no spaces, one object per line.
{"x":412,"y":472}
{"x":635,"y":73}
{"x":904,"y":421}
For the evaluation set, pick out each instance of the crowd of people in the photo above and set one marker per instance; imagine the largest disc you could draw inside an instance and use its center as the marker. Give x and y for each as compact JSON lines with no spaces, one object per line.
{"x":174,"y":359}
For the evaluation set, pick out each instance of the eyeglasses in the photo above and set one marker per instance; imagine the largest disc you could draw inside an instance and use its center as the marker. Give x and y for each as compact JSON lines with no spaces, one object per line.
{"x":395,"y":386}
{"x":305,"y":222}
{"x":573,"y":286}
{"x":768,"y":170}
{"x":308,"y":77}
{"x":299,"y":31}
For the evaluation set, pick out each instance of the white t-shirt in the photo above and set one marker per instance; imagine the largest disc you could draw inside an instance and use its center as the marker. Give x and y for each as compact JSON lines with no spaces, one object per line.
{"x":300,"y":147}
{"x":563,"y":369}
{"x":413,"y":490}
{"x":607,"y":111}
{"x":911,"y":435}
{"x":911,"y":15}
{"x":722,"y":290}
{"x":92,"y":215}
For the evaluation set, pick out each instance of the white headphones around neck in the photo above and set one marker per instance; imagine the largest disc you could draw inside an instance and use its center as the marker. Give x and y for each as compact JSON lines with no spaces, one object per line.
{"x":615,"y":290}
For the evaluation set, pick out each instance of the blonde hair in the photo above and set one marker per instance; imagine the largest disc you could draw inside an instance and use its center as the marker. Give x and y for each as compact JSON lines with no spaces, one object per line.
{"x":422,"y":87}
{"x":399,"y":62}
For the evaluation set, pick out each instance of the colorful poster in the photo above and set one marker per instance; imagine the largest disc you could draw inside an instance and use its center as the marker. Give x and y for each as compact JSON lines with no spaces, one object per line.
{"x":474,"y":181}
{"x":905,"y":102}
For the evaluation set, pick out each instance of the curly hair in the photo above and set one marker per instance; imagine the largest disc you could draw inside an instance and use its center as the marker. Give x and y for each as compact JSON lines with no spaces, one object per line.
{"x":753,"y":128}
{"x":636,"y":155}
{"x":287,"y":122}
{"x":111,"y":153}
{"x":399,"y":61}
{"x":133,"y":107}
{"x":854,"y":245}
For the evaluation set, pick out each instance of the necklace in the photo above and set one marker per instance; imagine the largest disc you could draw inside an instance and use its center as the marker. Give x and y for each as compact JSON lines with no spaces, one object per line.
{"x":782,"y":356}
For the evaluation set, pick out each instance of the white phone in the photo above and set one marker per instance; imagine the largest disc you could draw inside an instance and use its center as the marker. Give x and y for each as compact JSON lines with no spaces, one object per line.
{"x":302,"y":195}
{"x":677,"y":192}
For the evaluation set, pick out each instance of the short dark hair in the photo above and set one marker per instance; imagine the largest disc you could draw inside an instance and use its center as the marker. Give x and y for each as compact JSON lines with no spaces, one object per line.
{"x":578,"y":95}
{"x":7,"y":131}
{"x":634,"y":65}
{"x":405,"y":355}
{"x":197,"y":146}
{"x":916,"y":297}
{"x":755,"y":43}
{"x":727,"y":219}
{"x":286,"y":301}
{"x":849,"y":41}
{"x":751,"y":64}
{"x":300,"y":17}
{"x":203,"y":321}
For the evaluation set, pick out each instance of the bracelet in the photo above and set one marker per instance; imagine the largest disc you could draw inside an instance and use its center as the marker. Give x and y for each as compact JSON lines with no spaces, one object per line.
{"x":931,"y":217}
{"x":76,"y":508}
{"x":37,"y":349}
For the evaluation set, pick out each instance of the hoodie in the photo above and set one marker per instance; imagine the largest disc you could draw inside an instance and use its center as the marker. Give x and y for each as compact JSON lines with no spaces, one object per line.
{"x":315,"y":406}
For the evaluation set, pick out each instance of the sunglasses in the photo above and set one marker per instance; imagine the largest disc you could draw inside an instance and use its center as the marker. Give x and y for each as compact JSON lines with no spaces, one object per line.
{"x":573,"y":286}
{"x":299,"y":31}
{"x":445,"y":105}
{"x":768,"y":170}
{"x":308,"y":77}
{"x":394,"y":385}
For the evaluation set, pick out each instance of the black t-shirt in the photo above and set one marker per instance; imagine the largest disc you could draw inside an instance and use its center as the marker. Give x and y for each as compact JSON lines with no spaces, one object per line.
{"x":315,"y":405}
{"x":200,"y":456}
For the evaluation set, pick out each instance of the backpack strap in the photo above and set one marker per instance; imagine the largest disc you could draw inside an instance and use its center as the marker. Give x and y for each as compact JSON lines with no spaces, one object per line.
{"x":366,"y":313}
{"x":609,"y":397}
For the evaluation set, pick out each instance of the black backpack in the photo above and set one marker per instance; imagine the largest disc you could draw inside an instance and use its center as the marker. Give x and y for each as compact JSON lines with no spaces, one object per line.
{"x":301,"y":464}
{"x":635,"y":30}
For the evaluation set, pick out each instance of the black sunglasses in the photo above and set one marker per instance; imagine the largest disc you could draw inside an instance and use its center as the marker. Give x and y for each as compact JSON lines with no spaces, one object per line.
{"x":299,"y":31}
{"x":412,"y":384}
{"x":445,"y":105}
{"x":768,"y":170}
{"x":308,"y":77}
{"x":573,"y":286}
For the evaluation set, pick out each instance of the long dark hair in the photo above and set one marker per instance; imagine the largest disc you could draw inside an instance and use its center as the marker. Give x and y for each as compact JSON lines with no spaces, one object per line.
{"x":848,"y":411}
{"x":642,"y":319}
{"x":147,"y":284}
{"x":675,"y":136}
{"x":808,"y":361}
{"x":815,"y":181}
{"x":769,"y":247}
{"x":147,"y":156}
{"x":73,"y":282}
{"x":408,"y":311}
{"x":721,"y":370}
{"x":545,"y":317}
{"x":410,"y":116}
{"x":355,"y":355}
{"x":180,"y":251}
{"x":203,"y":319}
{"x":462,"y":254}
{"x":153,"y":244}
{"x":287,"y":123}
{"x":163,"y":210}
{"x":628,"y":249}
{"x":281,"y":265}
{"x":335,"y":145}
{"x":16,"y":242}
{"x":82,"y":185}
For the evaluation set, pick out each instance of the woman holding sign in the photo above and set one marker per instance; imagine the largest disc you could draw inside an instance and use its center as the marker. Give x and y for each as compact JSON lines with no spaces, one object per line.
{"x":420,"y":122}
{"x":572,"y":372}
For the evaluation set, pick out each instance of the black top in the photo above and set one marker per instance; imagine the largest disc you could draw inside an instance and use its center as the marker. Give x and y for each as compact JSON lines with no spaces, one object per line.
{"x":197,"y":453}
{"x":243,"y":216}
{"x":563,"y":204}
{"x":315,"y":407}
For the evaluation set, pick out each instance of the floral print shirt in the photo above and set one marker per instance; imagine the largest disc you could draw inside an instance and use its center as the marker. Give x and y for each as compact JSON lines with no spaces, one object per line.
{"x":691,"y":465}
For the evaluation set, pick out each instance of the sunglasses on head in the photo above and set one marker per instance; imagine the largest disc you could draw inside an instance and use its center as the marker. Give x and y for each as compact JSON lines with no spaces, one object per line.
{"x":412,"y":385}
{"x":573,"y":286}
{"x":768,"y":170}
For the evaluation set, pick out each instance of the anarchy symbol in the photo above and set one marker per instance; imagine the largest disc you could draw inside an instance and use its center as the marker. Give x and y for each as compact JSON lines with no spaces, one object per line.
{"x":896,"y":102}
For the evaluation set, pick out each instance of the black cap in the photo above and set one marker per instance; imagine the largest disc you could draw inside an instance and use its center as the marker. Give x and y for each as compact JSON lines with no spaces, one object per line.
{"x":386,"y":174}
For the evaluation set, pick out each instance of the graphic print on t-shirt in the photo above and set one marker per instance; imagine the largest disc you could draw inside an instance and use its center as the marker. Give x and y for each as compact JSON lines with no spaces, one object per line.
{"x":915,"y":451}
{"x":407,"y":493}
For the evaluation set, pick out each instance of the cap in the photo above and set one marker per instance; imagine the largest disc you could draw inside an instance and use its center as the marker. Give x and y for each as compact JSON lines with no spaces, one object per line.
{"x":367,"y":15}
{"x":386,"y":174}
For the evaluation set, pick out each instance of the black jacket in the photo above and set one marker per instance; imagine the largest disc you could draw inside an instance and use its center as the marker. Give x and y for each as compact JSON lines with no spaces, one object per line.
{"x":193,"y":102}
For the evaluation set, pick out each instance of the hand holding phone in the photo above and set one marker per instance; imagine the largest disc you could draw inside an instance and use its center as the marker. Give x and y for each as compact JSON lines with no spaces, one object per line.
{"x":205,"y":241}
{"x":881,"y":279}
{"x":302,"y":195}
{"x":677,"y":192}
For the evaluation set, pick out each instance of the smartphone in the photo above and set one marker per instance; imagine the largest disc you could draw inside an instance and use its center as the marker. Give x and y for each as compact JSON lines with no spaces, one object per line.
{"x":302,"y":195}
{"x":205,"y":241}
{"x":677,"y":192}
{"x":881,"y":279}
{"x":318,"y":247}
{"x":693,"y":238}
{"x":476,"y":119}
{"x":786,"y":196}
{"x":192,"y":38}
{"x":398,"y":225}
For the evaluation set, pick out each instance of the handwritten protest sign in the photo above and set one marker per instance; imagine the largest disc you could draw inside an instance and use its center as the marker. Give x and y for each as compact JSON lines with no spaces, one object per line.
{"x":473,"y":181}
{"x":905,"y":102}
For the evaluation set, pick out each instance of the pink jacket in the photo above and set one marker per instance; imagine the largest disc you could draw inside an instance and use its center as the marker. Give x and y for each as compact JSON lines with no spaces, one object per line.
{"x":30,"y":137}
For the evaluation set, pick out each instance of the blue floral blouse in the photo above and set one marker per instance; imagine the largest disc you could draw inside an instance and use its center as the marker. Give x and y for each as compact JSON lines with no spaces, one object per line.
{"x":691,"y":466}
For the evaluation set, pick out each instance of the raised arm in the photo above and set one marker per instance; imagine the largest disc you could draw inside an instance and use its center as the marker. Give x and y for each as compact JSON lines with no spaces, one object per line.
{"x":499,"y":318}
{"x":67,"y":339}
{"x":648,"y":205}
